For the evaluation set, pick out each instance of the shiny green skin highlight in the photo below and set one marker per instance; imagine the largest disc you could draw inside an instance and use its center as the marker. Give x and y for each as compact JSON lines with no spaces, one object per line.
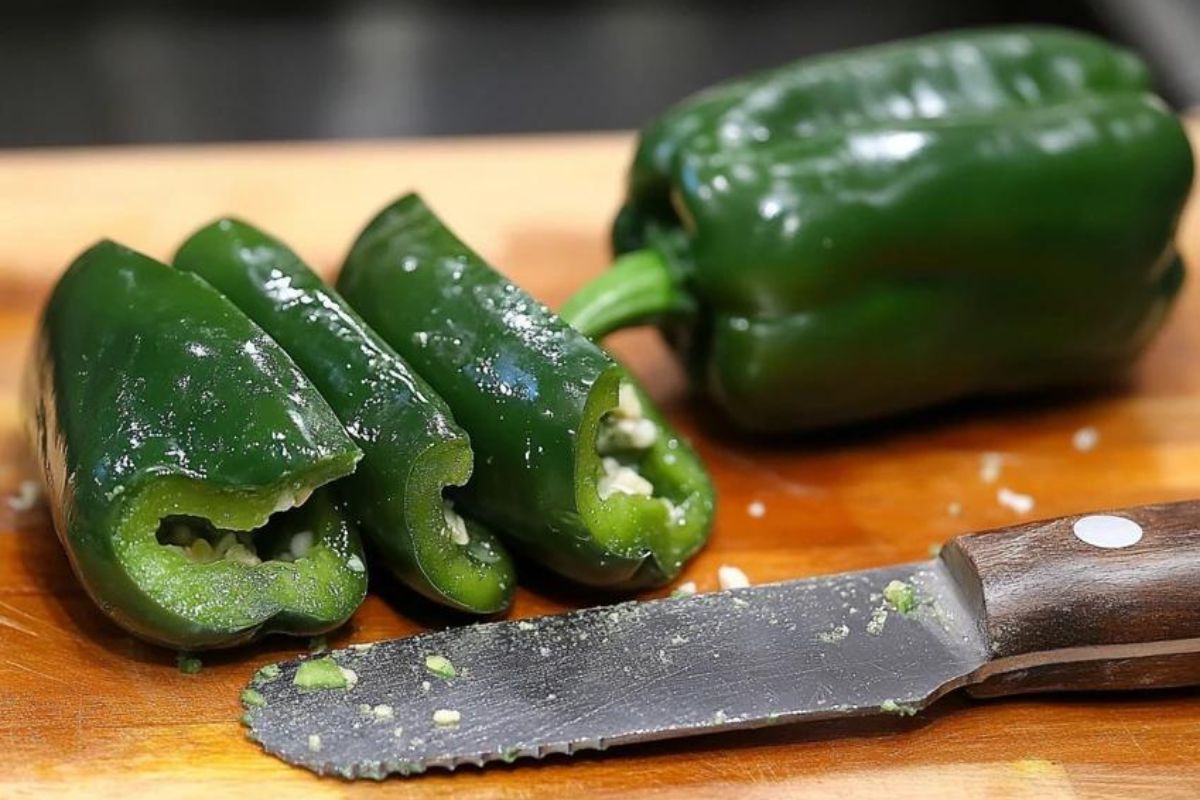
{"x":149,"y":395}
{"x":412,"y":448}
{"x":862,"y":234}
{"x":531,"y":392}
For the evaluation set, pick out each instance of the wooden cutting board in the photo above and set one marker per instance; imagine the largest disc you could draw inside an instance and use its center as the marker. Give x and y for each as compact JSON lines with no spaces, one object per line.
{"x":85,"y":709}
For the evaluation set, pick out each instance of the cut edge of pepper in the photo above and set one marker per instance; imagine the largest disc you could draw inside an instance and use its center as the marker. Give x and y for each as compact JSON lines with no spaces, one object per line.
{"x":225,"y":602}
{"x":476,"y":575}
{"x":660,"y":531}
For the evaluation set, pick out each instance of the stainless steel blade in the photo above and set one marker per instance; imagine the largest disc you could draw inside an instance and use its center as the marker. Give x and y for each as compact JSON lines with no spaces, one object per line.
{"x":802,"y":650}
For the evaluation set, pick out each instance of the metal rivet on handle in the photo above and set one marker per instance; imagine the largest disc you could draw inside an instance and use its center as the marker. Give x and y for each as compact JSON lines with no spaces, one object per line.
{"x":1107,"y":531}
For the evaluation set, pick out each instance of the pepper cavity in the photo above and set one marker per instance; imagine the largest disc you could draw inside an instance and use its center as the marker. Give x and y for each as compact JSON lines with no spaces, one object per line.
{"x":624,"y":436}
{"x":200,"y":542}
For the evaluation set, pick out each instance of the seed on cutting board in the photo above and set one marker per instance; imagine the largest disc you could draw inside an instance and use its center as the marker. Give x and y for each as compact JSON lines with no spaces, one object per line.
{"x":684,"y":590}
{"x":990,"y":465}
{"x":1020,"y":503}
{"x":1085,"y":439}
{"x":731,"y":577}
{"x":28,"y":495}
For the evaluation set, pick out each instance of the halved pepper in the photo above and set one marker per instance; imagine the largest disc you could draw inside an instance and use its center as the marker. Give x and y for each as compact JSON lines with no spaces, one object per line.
{"x":176,"y":440}
{"x":574,"y":463}
{"x":413,"y":450}
{"x":861,"y":234}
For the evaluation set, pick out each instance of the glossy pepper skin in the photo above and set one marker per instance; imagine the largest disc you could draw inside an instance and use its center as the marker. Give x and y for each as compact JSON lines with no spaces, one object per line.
{"x":152,"y":402}
{"x":412,"y":448}
{"x":534,"y":396}
{"x":862,"y":234}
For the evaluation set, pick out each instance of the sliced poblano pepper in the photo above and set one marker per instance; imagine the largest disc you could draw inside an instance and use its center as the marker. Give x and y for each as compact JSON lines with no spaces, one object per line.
{"x":413,"y":449}
{"x":181,"y":448}
{"x":574,"y":464}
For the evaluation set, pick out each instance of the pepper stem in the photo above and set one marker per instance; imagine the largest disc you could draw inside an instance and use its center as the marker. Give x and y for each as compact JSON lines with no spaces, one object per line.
{"x":639,"y":288}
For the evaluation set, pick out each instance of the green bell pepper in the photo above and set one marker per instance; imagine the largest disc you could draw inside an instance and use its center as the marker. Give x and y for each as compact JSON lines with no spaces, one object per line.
{"x":574,"y":463}
{"x":866,"y":233}
{"x":170,"y":430}
{"x":412,"y":448}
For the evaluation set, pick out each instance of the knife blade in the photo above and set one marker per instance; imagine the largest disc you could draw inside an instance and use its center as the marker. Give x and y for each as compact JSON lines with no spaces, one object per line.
{"x":820,"y":648}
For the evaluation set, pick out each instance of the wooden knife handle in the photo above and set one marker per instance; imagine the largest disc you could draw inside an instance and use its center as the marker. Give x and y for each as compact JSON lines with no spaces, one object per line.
{"x":1109,"y":600}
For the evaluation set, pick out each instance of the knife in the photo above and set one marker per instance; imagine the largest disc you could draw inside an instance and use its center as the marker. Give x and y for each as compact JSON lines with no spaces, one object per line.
{"x":1097,"y":602}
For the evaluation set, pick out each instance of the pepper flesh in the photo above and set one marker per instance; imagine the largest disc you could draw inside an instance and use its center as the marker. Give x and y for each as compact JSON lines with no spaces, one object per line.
{"x":537,"y":399}
{"x":868,"y":233}
{"x":154,"y":404}
{"x":413,"y":450}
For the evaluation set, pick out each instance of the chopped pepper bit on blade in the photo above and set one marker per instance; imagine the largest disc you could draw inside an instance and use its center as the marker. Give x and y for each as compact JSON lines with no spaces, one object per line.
{"x":267,"y":673}
{"x":899,"y":709}
{"x":446,"y":717}
{"x":901,"y":596}
{"x":324,"y":673}
{"x":835,"y":634}
{"x":440,"y":666}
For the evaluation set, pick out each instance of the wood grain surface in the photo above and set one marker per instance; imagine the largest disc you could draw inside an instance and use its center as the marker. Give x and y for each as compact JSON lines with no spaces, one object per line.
{"x":1038,"y":587}
{"x":86,"y":710}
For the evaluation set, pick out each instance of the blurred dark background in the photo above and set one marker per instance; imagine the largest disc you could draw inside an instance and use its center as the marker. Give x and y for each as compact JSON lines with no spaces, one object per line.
{"x":75,"y":73}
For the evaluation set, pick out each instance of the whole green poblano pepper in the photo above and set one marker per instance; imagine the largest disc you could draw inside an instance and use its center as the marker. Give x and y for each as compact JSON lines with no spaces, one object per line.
{"x":866,"y":233}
